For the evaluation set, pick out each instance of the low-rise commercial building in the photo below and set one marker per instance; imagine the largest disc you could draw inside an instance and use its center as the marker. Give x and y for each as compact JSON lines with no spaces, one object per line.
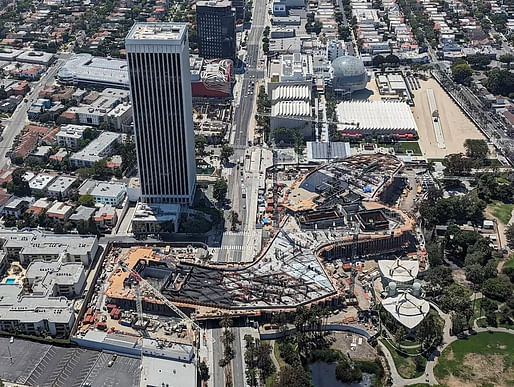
{"x":70,"y":135}
{"x":109,"y":193}
{"x":96,"y":150}
{"x":61,"y":186}
{"x":376,"y":117}
{"x":34,"y":315}
{"x":40,"y":182}
{"x":292,"y":67}
{"x":27,"y":246}
{"x":59,"y":211}
{"x":56,"y":278}
{"x":106,"y":217}
{"x":155,"y":218}
{"x":16,"y":206}
{"x":87,"y":70}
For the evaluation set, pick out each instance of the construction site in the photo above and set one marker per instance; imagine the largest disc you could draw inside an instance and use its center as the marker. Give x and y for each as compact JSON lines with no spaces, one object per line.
{"x":323,"y":249}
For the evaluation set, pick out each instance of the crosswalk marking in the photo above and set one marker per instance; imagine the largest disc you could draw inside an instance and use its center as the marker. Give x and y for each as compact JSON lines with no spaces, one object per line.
{"x":232,"y":247}
{"x":239,"y":233}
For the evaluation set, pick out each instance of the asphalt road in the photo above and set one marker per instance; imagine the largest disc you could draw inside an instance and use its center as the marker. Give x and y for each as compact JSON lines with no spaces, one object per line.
{"x":217,"y":349}
{"x":232,"y":243}
{"x":15,"y":124}
{"x":237,"y":364}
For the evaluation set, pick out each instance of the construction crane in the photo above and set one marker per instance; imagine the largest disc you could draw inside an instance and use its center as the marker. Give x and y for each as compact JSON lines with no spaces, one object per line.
{"x":141,"y":283}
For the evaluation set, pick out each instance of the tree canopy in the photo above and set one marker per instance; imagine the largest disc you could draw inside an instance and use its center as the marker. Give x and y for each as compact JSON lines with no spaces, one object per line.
{"x":86,"y":200}
{"x":220,"y":189}
{"x":462,"y":72}
{"x":454,"y":209}
{"x":292,"y":376}
{"x":476,"y":149}
{"x":498,"y":288}
{"x":18,"y":185}
{"x":500,"y":82}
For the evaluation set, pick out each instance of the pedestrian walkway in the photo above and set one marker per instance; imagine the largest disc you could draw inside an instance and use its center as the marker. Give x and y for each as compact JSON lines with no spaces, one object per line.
{"x":428,"y":376}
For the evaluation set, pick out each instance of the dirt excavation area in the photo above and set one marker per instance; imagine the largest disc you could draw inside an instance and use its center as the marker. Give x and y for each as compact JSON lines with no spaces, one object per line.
{"x":456,"y":127}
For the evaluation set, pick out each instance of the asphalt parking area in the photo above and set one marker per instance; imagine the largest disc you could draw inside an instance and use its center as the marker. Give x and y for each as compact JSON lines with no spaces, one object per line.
{"x":25,"y":356}
{"x":44,"y":365}
{"x":124,"y":372}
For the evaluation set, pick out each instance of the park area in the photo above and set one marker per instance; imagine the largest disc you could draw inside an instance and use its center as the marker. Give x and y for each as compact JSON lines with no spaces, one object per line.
{"x":456,"y":126}
{"x":483,"y":359}
{"x":502,"y":211}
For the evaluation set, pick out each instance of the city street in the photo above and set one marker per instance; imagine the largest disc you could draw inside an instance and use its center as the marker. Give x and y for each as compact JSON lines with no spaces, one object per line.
{"x":15,"y":124}
{"x":232,"y":243}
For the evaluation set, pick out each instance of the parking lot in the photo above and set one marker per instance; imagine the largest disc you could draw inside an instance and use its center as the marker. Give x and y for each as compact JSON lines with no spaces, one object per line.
{"x":124,"y":372}
{"x":37,"y":364}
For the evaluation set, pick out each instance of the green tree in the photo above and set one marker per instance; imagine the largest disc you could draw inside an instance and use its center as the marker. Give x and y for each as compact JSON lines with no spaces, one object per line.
{"x":204,"y":371}
{"x":86,"y":200}
{"x":457,"y":165}
{"x":456,"y":298}
{"x":9,"y":221}
{"x":226,"y":152}
{"x":439,"y":277}
{"x":18,"y":185}
{"x":220,"y":189}
{"x":475,"y":274}
{"x":462,"y":73}
{"x":506,"y":58}
{"x":292,"y":376}
{"x":346,"y":373}
{"x":500,"y":82}
{"x":479,"y":61}
{"x":420,"y":363}
{"x":489,"y":308}
{"x":101,"y":170}
{"x":200,"y":144}
{"x":476,"y":149}
{"x":430,"y":332}
{"x":378,"y":60}
{"x":87,"y":227}
{"x":509,"y":233}
{"x":434,"y":253}
{"x":498,"y":288}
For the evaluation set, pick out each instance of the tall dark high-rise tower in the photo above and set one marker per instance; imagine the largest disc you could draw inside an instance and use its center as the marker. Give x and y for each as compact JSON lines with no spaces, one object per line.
{"x":160,"y":89}
{"x":216,"y":22}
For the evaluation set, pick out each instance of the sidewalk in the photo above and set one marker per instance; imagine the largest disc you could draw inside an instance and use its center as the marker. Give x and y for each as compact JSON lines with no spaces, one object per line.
{"x":428,"y":376}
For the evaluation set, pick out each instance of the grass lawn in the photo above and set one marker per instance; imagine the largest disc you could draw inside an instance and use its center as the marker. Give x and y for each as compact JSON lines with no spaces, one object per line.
{"x":502,"y":211}
{"x":404,"y":364}
{"x":476,"y":312}
{"x":281,"y":363}
{"x":482,"y":358}
{"x":410,"y":145}
{"x":510,"y":262}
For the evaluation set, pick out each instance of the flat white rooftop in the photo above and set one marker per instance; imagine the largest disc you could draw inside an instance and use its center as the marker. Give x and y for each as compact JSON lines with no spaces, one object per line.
{"x":157,"y":31}
{"x":376,"y":115}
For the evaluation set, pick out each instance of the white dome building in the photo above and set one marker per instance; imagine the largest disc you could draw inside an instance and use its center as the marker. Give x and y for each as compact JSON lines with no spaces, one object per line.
{"x":347,"y":74}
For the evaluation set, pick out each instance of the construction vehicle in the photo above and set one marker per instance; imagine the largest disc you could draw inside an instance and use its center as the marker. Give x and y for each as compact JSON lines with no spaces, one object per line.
{"x":141,"y":283}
